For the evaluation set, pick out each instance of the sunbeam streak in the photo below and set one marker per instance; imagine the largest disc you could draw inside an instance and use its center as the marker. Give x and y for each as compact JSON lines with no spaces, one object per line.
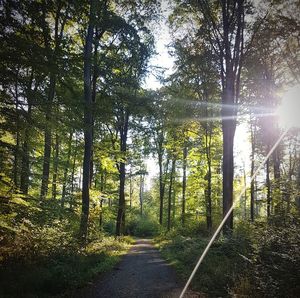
{"x":220,"y":118}
{"x":200,"y":104}
{"x":229,"y":212}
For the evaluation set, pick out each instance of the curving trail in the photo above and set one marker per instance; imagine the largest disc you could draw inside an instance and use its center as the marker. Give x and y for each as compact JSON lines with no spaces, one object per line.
{"x":141,"y":273}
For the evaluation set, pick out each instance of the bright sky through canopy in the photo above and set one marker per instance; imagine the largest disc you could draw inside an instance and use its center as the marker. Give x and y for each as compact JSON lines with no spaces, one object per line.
{"x":289,"y":109}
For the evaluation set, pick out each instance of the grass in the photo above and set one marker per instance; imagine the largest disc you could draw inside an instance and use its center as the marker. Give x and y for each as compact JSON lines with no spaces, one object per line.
{"x":55,"y":274}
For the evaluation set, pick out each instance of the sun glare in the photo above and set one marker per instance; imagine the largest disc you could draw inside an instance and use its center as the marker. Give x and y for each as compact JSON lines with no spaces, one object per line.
{"x":289,"y":109}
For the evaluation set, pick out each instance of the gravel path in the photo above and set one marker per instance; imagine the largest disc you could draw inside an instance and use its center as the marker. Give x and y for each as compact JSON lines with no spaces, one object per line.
{"x":141,"y":273}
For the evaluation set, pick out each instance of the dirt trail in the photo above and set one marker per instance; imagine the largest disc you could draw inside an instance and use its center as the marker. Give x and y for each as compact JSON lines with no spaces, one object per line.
{"x":141,"y":273}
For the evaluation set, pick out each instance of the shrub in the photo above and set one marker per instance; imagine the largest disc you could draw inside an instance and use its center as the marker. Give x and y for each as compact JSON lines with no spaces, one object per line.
{"x":143,"y":227}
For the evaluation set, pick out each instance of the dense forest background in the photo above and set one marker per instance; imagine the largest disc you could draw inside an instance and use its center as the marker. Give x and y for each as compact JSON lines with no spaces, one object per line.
{"x":79,"y":124}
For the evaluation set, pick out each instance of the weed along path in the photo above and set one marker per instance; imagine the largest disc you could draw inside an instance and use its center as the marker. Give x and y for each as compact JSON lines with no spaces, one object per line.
{"x":141,"y":273}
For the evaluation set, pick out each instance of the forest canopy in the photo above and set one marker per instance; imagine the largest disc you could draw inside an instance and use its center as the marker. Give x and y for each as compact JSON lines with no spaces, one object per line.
{"x":80,"y":123}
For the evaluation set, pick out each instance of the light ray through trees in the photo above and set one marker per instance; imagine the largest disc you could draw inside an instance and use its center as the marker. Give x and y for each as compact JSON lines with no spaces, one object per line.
{"x":219,"y":118}
{"x":229,"y":213}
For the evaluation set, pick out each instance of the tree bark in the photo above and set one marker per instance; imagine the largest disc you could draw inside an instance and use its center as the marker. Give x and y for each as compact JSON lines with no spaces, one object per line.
{"x":65,"y":178}
{"x":55,"y":167}
{"x":17,"y":146}
{"x":208,"y":178}
{"x":170,"y":193}
{"x":231,"y":58}
{"x":268,"y":185}
{"x":25,"y":169}
{"x":130,"y":188}
{"x":141,"y":193}
{"x":252,"y":186}
{"x":88,"y":122}
{"x":185,"y":152}
{"x":160,"y":152}
{"x":74,"y":166}
{"x":120,"y":225}
{"x":228,"y":127}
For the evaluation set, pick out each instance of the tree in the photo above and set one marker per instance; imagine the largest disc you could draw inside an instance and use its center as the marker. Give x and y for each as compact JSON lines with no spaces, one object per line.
{"x":88,"y":122}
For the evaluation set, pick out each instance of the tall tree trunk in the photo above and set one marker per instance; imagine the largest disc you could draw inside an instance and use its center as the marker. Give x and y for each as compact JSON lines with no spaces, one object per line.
{"x":25,"y":170}
{"x":130,"y":188}
{"x":170,"y":193}
{"x":252,"y":186}
{"x":277,"y":195}
{"x":59,"y":23}
{"x":47,"y":138}
{"x":268,"y":185}
{"x":161,"y":188}
{"x":74,"y":166}
{"x":228,"y":127}
{"x":160,"y":152}
{"x":208,"y":133}
{"x":17,"y":146}
{"x":93,"y":96}
{"x":102,"y":189}
{"x":185,"y":152}
{"x":141,"y":193}
{"x":55,"y":167}
{"x":65,"y":178}
{"x":231,"y":59}
{"x":101,"y":214}
{"x":120,"y":225}
{"x":88,"y":123}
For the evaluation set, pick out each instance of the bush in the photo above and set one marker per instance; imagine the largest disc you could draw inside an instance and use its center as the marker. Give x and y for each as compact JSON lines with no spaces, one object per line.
{"x":276,"y":259}
{"x":143,"y":227}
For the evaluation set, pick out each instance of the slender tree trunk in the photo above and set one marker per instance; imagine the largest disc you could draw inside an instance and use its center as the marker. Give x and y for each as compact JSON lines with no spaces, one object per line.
{"x":88,"y":122}
{"x":65,"y":178}
{"x":93,"y":96}
{"x":25,"y":170}
{"x":161,"y":178}
{"x":170,"y":193}
{"x":74,"y":166}
{"x":48,"y":138}
{"x":101,"y":214}
{"x":252,"y":186}
{"x":17,"y":146}
{"x":268,"y":185}
{"x":130,"y":188}
{"x":252,"y":193}
{"x":120,"y":225}
{"x":185,"y":152}
{"x":277,"y":195}
{"x":102,"y":189}
{"x":208,"y":133}
{"x":174,"y":199}
{"x":141,"y":193}
{"x":55,"y":167}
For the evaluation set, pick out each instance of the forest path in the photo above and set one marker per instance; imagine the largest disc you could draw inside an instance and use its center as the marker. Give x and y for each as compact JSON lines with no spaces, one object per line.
{"x":141,"y":273}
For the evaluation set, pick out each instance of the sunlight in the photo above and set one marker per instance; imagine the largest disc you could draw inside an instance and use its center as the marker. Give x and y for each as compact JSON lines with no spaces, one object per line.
{"x":289,"y":109}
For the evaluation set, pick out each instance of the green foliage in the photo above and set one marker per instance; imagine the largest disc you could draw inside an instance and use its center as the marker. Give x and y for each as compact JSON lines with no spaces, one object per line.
{"x":260,"y":260}
{"x":143,"y":227}
{"x":275,"y":261}
{"x":218,"y":272}
{"x":63,"y":270}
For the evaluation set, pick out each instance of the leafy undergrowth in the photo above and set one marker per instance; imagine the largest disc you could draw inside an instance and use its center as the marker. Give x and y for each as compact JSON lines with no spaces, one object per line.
{"x":261,"y":260}
{"x":60,"y":271}
{"x":218,"y":272}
